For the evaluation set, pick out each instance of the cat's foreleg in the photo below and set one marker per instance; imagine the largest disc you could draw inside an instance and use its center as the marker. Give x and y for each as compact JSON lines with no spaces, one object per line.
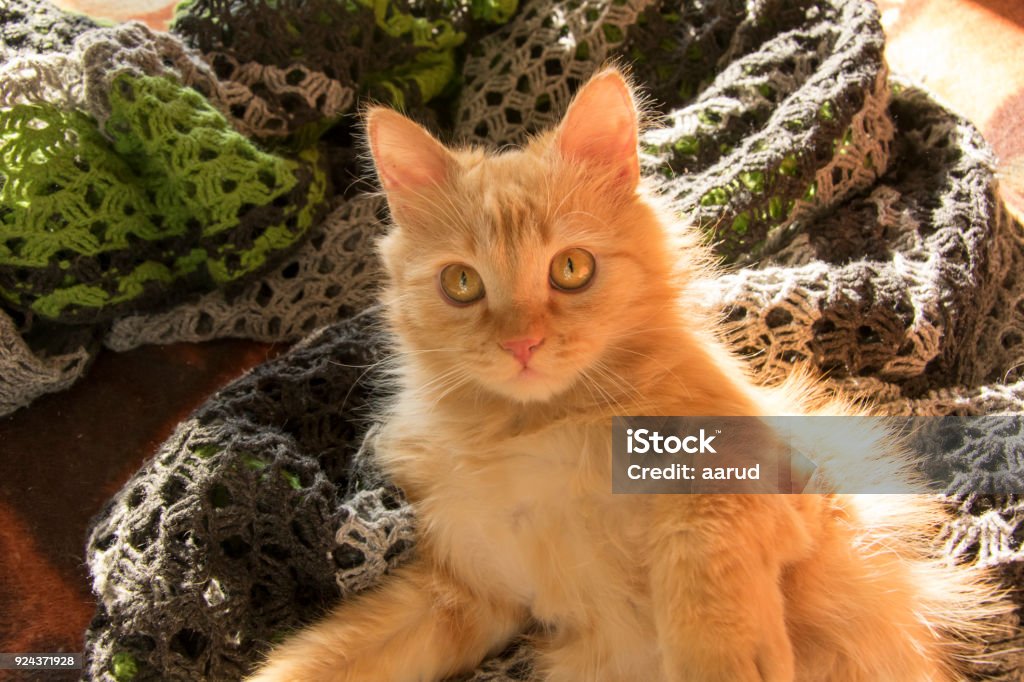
{"x":719,"y":608}
{"x":421,"y":624}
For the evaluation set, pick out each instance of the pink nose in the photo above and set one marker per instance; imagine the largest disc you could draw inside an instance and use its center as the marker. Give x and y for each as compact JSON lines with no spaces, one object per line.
{"x":522,"y":349}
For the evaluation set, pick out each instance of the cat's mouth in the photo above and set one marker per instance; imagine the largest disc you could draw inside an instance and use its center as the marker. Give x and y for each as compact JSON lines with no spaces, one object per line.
{"x":527,"y":384}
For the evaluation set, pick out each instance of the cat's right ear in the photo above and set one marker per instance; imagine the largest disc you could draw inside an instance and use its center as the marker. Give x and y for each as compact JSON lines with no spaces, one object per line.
{"x":408,"y":158}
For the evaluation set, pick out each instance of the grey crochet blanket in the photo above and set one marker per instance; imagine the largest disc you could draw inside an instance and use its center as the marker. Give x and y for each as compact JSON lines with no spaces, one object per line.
{"x":861,"y":220}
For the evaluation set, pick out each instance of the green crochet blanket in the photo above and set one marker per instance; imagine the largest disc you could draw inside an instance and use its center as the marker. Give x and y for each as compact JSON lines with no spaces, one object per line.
{"x":169,"y":200}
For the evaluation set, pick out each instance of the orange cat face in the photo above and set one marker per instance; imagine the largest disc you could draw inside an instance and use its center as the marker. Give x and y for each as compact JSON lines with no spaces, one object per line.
{"x":527,"y":273}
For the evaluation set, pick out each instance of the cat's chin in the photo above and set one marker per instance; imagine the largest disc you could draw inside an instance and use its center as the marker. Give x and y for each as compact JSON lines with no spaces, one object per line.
{"x":529,"y":385}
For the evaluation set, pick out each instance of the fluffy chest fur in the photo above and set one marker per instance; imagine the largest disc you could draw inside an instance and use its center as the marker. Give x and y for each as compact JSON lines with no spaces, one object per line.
{"x":532,"y":516}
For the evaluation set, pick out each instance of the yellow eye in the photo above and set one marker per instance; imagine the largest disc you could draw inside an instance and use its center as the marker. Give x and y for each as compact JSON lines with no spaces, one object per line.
{"x":572,"y":269}
{"x":461,"y":283}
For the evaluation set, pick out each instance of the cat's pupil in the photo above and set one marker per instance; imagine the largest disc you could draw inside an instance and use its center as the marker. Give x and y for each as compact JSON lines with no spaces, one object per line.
{"x":463,"y":280}
{"x":570,"y":267}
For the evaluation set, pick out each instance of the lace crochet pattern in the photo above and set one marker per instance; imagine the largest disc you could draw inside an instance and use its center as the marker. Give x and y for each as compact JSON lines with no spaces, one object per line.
{"x":27,"y":26}
{"x":776,"y":120}
{"x":267,"y":477}
{"x":175,"y":200}
{"x":901,"y":291}
{"x":331,"y":276}
{"x":392,"y":50}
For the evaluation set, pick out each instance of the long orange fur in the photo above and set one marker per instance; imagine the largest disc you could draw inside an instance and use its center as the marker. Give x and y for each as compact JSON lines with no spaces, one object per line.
{"x":509,"y":471}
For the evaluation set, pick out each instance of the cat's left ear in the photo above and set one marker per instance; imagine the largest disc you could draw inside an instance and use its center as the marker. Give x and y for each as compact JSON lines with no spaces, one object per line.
{"x":601,"y":128}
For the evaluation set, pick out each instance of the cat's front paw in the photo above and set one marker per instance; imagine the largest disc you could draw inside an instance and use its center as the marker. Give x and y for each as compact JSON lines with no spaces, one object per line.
{"x":292,"y":669}
{"x":304,"y":659}
{"x":325,"y":654}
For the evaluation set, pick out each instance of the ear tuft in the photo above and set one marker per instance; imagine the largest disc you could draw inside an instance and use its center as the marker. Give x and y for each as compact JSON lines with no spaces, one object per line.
{"x":601,"y":127}
{"x":407,"y":157}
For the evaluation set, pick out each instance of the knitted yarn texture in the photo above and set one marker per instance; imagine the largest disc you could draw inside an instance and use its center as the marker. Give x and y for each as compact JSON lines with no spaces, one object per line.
{"x":31,"y":27}
{"x":262,"y":481}
{"x":386,"y":49}
{"x":94,"y":226}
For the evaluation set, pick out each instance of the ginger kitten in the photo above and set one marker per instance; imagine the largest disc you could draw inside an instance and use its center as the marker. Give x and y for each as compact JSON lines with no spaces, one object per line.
{"x":532,"y":294}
